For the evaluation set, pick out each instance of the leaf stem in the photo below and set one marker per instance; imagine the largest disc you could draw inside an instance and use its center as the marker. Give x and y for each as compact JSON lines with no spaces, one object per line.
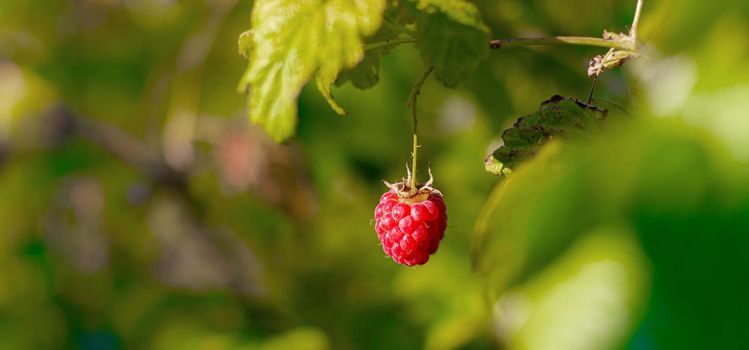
{"x":592,"y":89}
{"x":598,"y":72}
{"x":390,"y":42}
{"x":415,"y":92}
{"x":560,"y":40}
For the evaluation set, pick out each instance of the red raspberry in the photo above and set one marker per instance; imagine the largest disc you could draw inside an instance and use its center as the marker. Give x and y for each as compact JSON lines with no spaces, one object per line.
{"x":410,"y":223}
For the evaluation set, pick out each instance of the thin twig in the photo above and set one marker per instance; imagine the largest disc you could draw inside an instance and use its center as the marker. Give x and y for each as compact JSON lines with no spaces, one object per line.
{"x":415,"y":92}
{"x":519,"y":42}
{"x":386,"y":43}
{"x":592,"y":89}
{"x":599,"y":71}
{"x":559,"y":40}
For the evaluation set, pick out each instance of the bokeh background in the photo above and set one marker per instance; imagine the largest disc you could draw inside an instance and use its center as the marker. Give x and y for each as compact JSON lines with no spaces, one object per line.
{"x":140,"y":210}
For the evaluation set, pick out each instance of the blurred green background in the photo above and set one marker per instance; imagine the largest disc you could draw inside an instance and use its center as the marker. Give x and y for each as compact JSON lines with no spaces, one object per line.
{"x":140,"y":210}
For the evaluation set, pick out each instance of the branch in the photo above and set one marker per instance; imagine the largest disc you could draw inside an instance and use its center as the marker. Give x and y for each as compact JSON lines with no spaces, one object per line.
{"x":611,"y":43}
{"x":518,"y":42}
{"x":560,"y":40}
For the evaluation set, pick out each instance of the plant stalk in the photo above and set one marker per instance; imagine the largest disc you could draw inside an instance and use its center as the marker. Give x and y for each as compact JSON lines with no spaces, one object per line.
{"x":390,"y":42}
{"x":559,"y":40}
{"x":519,"y":42}
{"x":412,"y":104}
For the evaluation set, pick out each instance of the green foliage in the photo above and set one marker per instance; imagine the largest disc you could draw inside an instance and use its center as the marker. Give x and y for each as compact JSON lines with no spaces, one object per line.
{"x":636,"y":235}
{"x":292,"y":42}
{"x":558,"y":116}
{"x":662,"y":182}
{"x":587,"y":299}
{"x":366,"y":74}
{"x":289,"y":44}
{"x":452,"y":38}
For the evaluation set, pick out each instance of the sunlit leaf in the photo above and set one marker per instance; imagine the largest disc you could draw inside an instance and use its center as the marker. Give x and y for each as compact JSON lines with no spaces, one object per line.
{"x":294,"y":41}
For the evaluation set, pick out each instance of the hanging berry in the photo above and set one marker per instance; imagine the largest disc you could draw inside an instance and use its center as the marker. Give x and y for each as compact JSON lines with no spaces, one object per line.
{"x":410,"y":222}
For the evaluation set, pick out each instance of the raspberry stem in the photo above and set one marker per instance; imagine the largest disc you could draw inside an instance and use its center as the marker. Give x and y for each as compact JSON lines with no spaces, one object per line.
{"x":413,"y":157}
{"x":415,"y":92}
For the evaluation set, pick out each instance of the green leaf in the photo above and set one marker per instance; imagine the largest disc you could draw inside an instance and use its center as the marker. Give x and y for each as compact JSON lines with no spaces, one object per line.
{"x":651,"y":176}
{"x":293,"y":41}
{"x":452,"y":38}
{"x":668,"y":192}
{"x":366,"y":74}
{"x":599,"y":280}
{"x":556,"y":117}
